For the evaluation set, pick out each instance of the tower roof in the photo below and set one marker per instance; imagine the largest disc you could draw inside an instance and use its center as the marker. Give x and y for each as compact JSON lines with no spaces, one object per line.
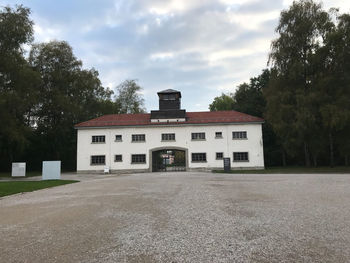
{"x":169,"y":91}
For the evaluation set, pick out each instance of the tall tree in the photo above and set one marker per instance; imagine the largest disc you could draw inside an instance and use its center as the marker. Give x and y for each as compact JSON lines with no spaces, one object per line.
{"x":292,"y":101}
{"x":17,"y":83}
{"x":128,"y":98}
{"x":68,"y":95}
{"x":333,"y":80}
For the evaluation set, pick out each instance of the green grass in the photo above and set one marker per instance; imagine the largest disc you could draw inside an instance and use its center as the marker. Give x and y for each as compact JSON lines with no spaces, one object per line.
{"x":14,"y":187}
{"x":291,"y":170}
{"x":28,"y":174}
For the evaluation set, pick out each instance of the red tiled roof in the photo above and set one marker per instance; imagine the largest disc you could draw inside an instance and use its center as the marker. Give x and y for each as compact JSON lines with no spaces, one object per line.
{"x":141,"y":119}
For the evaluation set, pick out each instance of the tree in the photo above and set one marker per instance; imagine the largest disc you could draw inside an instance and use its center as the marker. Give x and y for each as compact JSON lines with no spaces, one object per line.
{"x":333,"y":80}
{"x":248,"y":97}
{"x":68,"y":95}
{"x":223,"y":102}
{"x":292,"y":96}
{"x":128,"y":98}
{"x":17,"y":83}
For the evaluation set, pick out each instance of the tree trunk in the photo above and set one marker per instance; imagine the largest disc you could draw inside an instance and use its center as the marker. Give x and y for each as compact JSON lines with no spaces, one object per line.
{"x":307,"y":155}
{"x":346,"y":159}
{"x":314,"y":157}
{"x":331,"y":151}
{"x":284,"y":160}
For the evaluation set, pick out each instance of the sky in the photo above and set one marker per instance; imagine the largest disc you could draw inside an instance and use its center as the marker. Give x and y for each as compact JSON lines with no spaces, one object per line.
{"x":200,"y":47}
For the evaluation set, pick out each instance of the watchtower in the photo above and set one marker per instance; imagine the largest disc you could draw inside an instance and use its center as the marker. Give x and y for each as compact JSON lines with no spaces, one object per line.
{"x":169,"y":107}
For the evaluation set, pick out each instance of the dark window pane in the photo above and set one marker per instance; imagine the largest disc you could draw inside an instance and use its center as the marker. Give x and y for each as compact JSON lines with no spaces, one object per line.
{"x":219,"y":156}
{"x":118,"y":158}
{"x":138,"y":137}
{"x":218,"y":135}
{"x":198,"y":136}
{"x":240,"y":156}
{"x":239,"y":135}
{"x":138,"y":158}
{"x":168,"y":137}
{"x":199,"y":157}
{"x":98,"y":159}
{"x":98,"y":138}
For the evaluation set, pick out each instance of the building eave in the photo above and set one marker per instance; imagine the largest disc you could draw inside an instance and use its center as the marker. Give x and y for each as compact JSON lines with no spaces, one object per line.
{"x":167,"y":125}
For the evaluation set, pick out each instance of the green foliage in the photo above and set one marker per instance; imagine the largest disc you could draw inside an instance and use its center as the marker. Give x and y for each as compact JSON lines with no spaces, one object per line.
{"x":224,"y":102}
{"x":308,"y":93}
{"x":128,"y":97}
{"x":44,"y":96}
{"x":292,"y":96}
{"x":248,"y":97}
{"x":69,"y":94}
{"x":17,"y":82}
{"x":16,"y":29}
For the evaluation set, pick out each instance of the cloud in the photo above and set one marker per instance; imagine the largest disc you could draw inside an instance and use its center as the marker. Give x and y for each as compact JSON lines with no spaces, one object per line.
{"x":200,"y":47}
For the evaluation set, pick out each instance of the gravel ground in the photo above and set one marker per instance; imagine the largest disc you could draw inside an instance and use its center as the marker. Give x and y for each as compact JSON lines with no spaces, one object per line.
{"x":181,"y":217}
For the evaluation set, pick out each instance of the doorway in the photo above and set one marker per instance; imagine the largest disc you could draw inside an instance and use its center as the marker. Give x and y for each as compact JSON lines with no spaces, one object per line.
{"x":168,"y":160}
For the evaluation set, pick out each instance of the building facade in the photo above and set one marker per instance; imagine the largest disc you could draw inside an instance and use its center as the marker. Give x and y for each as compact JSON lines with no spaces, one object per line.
{"x":170,"y":139}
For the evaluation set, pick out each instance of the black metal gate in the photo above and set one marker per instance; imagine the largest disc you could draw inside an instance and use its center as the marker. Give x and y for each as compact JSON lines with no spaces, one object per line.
{"x":168,"y":160}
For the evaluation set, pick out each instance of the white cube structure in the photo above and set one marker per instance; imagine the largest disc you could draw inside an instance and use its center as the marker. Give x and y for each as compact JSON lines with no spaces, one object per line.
{"x":18,"y":170}
{"x":51,"y":170}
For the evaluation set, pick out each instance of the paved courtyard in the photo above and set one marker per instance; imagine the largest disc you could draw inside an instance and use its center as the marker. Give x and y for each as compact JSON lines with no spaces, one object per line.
{"x":180,"y":217}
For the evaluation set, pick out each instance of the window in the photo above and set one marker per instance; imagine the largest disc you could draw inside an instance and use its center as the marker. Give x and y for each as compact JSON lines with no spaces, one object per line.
{"x":199,"y":157}
{"x":168,"y":136}
{"x":98,"y":160}
{"x":138,"y":138}
{"x":169,"y":97}
{"x":98,"y":139}
{"x":118,"y":158}
{"x":198,"y":135}
{"x":239,"y":135}
{"x":240,"y":157}
{"x":218,"y":135}
{"x":118,"y":138}
{"x":219,"y":156}
{"x":138,"y":158}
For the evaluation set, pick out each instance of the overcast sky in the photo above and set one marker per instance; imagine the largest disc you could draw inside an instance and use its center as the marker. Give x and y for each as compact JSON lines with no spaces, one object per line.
{"x":200,"y":47}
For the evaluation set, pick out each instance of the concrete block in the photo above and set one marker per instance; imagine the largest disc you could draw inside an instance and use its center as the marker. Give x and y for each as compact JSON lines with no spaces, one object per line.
{"x":51,"y":170}
{"x":18,"y":170}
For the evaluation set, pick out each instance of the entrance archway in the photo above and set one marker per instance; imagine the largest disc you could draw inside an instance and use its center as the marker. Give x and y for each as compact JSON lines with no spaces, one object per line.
{"x":168,"y":159}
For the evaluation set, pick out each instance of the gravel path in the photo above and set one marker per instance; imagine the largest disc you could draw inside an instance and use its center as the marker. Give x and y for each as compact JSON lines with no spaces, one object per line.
{"x":181,"y":217}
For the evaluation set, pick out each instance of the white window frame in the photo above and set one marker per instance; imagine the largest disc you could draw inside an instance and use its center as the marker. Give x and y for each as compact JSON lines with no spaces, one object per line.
{"x":98,"y":157}
{"x":138,"y":137}
{"x":98,"y":139}
{"x":240,"y":159}
{"x":239,"y":135}
{"x":115,"y":158}
{"x":204,"y":160}
{"x":168,"y":137}
{"x":198,"y":136}
{"x":138,"y":155}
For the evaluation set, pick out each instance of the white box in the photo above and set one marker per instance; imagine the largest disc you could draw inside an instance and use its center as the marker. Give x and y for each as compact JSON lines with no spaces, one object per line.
{"x":18,"y":170}
{"x":51,"y":170}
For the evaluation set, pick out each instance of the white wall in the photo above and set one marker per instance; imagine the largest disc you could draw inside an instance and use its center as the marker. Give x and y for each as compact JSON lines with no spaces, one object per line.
{"x":253,"y":145}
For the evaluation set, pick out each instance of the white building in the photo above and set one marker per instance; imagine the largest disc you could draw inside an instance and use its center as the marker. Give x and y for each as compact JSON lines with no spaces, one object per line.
{"x":170,"y":139}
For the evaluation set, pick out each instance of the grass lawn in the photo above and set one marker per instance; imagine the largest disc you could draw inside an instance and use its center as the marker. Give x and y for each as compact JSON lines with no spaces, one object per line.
{"x":10,"y":188}
{"x":28,"y":174}
{"x":291,"y":170}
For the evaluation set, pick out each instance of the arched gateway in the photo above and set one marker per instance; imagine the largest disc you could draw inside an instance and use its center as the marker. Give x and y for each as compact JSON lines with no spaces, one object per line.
{"x":168,"y":159}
